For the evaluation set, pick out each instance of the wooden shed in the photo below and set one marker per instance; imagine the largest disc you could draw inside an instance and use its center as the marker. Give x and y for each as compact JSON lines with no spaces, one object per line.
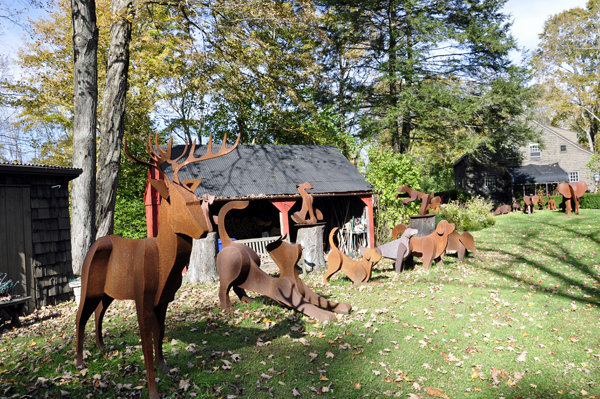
{"x":35,"y":231}
{"x":267,"y":176}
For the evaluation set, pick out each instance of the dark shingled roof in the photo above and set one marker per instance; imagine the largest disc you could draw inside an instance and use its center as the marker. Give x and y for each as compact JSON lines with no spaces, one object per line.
{"x":538,"y":174}
{"x":37,"y":169}
{"x":272,"y":170}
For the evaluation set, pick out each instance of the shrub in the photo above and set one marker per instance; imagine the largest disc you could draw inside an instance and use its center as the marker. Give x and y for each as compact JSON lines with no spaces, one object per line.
{"x":476,"y":214}
{"x":455,"y":195}
{"x":130,"y":217}
{"x":590,"y":201}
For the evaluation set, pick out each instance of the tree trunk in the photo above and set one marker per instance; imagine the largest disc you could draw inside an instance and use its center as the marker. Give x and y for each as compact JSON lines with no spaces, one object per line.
{"x":113,"y":116}
{"x":311,"y":239}
{"x":85,"y":101}
{"x":203,"y":261}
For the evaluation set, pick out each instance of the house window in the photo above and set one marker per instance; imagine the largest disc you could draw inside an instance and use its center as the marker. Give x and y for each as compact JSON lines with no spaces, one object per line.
{"x":534,"y":150}
{"x":490,"y":184}
{"x":573,"y":177}
{"x":563,"y":148}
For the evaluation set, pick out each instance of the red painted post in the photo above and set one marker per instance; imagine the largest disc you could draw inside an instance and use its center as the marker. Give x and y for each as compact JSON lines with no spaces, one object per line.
{"x":368,"y":200}
{"x":284,"y":206}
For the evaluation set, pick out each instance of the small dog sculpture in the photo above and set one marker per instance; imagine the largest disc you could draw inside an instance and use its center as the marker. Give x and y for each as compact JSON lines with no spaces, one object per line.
{"x":551,"y":204}
{"x":357,"y":271}
{"x":432,"y":246}
{"x":239,"y":268}
{"x":314,"y":215}
{"x":515,"y":205}
{"x":398,"y":249}
{"x":461,"y":244}
{"x":502,"y":210}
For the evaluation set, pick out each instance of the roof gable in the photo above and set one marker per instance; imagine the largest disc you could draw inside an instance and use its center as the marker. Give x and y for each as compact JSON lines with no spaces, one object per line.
{"x":566,"y":135}
{"x":272,"y":170}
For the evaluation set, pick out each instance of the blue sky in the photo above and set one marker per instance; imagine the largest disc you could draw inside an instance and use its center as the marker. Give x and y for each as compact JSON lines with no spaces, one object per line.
{"x":529,"y":17}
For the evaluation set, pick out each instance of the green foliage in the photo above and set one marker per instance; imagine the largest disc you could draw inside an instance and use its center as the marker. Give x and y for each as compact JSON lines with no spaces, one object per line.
{"x":130,"y":217}
{"x":476,"y":214}
{"x":458,"y":194}
{"x":590,"y":201}
{"x":387,"y":172}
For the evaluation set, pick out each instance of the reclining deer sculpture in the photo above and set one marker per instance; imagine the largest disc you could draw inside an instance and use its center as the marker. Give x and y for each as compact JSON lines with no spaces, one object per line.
{"x":239,"y":268}
{"x":147,"y":270}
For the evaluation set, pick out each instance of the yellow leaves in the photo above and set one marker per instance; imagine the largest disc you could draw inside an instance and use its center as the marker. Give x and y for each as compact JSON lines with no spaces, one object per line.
{"x":357,"y":385}
{"x":32,"y":344}
{"x":524,"y":334}
{"x":436,"y":392}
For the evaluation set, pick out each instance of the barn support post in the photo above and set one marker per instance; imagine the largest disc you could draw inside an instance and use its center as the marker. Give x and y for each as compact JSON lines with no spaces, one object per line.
{"x":284,"y":206}
{"x":152,"y":202}
{"x":368,"y":200}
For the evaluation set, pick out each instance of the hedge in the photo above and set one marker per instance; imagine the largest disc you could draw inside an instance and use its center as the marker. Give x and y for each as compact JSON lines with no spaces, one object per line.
{"x":590,"y":201}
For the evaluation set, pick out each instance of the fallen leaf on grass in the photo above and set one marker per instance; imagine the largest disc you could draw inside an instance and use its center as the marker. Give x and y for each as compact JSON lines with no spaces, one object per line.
{"x":357,"y":385}
{"x":295,"y":392}
{"x":521,"y":357}
{"x":436,"y":392}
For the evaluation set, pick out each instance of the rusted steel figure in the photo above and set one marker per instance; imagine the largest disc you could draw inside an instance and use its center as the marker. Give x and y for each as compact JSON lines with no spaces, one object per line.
{"x":502,"y":210}
{"x":314,"y":215}
{"x":515,"y":205}
{"x":239,"y":268}
{"x":432,"y":246}
{"x":357,"y":271}
{"x":571,"y":193}
{"x":434,"y":204}
{"x":398,"y":249}
{"x":461,"y":244}
{"x":413,"y":195}
{"x":530,"y":203}
{"x":147,"y":270}
{"x":551,"y":204}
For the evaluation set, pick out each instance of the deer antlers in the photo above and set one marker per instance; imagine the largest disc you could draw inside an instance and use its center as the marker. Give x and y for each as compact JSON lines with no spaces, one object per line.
{"x":160,"y":156}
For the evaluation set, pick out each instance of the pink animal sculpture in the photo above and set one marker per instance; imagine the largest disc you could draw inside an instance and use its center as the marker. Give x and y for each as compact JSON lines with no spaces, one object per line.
{"x":239,"y":268}
{"x":314,"y":215}
{"x":147,"y":270}
{"x":515,"y":205}
{"x":359,"y":271}
{"x":571,"y":193}
{"x":551,"y":204}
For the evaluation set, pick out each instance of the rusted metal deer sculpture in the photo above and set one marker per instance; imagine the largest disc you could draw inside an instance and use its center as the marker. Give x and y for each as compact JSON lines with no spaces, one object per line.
{"x":147,"y":270}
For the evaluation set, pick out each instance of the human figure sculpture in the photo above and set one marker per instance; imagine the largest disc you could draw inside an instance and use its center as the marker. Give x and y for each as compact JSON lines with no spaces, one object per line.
{"x":502,"y":210}
{"x":413,"y":195}
{"x":530,"y":203}
{"x":147,"y":270}
{"x":515,"y":205}
{"x":461,"y":244}
{"x":239,"y":269}
{"x":551,"y":203}
{"x":571,"y":193}
{"x":359,"y":271}
{"x":398,"y":249}
{"x":314,"y":215}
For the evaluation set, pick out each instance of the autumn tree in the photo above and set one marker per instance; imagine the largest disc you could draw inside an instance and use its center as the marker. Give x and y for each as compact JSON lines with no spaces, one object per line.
{"x":567,"y":63}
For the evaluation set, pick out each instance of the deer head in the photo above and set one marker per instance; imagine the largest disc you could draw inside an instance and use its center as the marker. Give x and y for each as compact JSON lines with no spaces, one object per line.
{"x":185,"y":212}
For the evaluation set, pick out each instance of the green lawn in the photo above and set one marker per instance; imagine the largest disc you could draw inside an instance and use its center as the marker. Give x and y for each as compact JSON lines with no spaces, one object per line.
{"x":521,"y":321}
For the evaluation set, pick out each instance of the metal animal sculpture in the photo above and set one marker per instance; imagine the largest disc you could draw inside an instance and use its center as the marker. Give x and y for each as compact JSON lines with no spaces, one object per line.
{"x":502,"y":210}
{"x":571,"y":193}
{"x":398,"y":249}
{"x":515,"y":205}
{"x":432,"y":246}
{"x":434,"y":204}
{"x":413,"y":195}
{"x":147,"y":270}
{"x":239,"y":268}
{"x":551,"y":204}
{"x":530,"y":203}
{"x":314,"y":215}
{"x":461,"y":244}
{"x":357,"y":271}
